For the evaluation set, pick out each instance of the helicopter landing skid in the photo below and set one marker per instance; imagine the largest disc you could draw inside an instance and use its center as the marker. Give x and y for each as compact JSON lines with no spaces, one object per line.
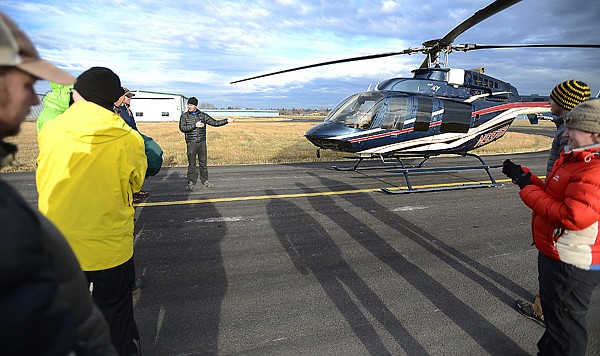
{"x":411,"y":189}
{"x":386,"y":164}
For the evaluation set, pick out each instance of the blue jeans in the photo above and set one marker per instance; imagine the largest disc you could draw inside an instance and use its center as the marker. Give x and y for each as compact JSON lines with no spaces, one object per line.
{"x":197,"y":149}
{"x":566,"y":292}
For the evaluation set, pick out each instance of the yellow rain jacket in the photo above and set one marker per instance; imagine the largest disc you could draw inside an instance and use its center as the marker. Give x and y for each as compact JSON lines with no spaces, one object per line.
{"x":89,"y":165}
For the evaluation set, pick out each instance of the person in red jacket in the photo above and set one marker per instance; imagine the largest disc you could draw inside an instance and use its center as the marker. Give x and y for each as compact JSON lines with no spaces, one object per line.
{"x":566,"y":231}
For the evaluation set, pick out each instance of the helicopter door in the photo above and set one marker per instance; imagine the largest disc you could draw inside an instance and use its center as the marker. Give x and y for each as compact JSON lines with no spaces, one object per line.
{"x":457,"y":117}
{"x":395,"y":113}
{"x":423,"y":115}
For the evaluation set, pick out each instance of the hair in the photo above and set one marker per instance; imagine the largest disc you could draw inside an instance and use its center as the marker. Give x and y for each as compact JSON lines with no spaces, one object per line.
{"x":4,"y":92}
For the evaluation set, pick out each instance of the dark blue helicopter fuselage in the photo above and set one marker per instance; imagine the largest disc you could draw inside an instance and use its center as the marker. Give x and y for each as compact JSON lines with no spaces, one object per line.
{"x":423,"y":115}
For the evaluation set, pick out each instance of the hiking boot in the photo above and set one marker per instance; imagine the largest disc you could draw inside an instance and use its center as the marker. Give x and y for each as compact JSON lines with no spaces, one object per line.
{"x":140,"y":196}
{"x":207,"y":184}
{"x":526,"y":309}
{"x":189,"y":186}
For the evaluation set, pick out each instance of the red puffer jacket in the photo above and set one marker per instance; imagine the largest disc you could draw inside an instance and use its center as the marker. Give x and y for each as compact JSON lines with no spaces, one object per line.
{"x":566,"y":209}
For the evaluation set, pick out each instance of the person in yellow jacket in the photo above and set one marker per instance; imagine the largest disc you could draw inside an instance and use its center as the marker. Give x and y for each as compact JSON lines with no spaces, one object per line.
{"x":90,"y":164}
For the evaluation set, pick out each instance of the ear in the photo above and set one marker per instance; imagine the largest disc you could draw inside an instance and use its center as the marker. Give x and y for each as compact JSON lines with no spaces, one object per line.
{"x":120,"y":101}
{"x":76,"y":95}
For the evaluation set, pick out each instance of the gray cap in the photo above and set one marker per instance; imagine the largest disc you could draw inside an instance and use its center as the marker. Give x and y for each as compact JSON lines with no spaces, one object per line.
{"x":16,"y":50}
{"x":585,"y":116}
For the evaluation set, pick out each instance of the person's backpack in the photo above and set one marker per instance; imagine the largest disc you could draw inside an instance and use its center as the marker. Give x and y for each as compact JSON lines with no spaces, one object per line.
{"x":153,"y":154}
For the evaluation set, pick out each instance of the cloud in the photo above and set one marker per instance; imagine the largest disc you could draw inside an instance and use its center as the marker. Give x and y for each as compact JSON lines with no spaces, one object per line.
{"x":197,"y":48}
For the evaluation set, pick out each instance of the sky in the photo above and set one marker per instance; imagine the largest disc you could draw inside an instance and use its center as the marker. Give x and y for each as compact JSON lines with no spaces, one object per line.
{"x":196,"y":48}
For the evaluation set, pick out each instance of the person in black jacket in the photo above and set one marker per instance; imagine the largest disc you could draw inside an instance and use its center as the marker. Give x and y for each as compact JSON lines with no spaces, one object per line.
{"x":193,"y":124}
{"x":45,"y":304}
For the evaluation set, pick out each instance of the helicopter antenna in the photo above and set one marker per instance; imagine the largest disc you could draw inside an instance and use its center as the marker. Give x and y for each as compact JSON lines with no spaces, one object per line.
{"x":378,"y":80}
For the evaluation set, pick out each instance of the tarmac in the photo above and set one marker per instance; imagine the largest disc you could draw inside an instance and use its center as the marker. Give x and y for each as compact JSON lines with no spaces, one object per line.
{"x":301,"y":259}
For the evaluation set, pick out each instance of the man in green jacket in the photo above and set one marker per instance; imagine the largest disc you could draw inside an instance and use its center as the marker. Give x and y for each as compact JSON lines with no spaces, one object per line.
{"x":55,"y":103}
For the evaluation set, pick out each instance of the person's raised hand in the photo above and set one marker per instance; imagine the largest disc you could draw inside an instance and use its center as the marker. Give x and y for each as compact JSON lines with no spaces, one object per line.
{"x":512,"y":170}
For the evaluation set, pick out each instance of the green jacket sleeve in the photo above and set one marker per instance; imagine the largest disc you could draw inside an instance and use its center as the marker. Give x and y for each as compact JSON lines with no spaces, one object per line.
{"x":153,"y":154}
{"x":55,"y":103}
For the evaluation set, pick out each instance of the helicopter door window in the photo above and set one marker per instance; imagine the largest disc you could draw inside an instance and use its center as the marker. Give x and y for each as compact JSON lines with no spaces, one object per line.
{"x":456,"y":117}
{"x":393,"y":118}
{"x":424,"y":110}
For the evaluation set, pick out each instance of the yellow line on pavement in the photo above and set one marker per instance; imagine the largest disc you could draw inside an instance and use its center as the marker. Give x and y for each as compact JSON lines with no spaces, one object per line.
{"x":302,"y":195}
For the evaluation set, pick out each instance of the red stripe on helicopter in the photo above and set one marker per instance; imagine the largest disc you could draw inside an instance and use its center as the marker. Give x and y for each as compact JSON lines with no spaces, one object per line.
{"x":397,"y":132}
{"x":511,"y":106}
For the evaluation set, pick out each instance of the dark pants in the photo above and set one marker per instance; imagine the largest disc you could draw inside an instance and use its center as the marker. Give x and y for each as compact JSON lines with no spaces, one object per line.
{"x":112,"y":293}
{"x":197,"y":149}
{"x":566,"y":292}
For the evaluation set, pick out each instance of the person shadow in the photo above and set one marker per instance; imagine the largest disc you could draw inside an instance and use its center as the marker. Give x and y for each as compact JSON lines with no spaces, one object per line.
{"x":487,"y":335}
{"x":178,"y":307}
{"x":313,"y":252}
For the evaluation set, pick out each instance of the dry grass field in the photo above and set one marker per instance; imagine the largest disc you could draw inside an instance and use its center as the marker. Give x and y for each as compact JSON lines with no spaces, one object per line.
{"x":250,"y":141}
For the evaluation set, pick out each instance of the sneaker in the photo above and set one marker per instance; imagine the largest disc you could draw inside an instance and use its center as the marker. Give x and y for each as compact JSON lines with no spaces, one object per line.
{"x":526,"y":309}
{"x":189,"y":186}
{"x":207,"y":184}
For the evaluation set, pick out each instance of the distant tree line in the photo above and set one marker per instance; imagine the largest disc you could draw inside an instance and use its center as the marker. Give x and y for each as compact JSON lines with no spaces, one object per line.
{"x":283,"y":111}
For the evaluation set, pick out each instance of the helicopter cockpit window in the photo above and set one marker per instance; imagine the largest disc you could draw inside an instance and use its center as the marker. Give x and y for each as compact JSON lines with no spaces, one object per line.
{"x":358,"y":110}
{"x":395,"y":114}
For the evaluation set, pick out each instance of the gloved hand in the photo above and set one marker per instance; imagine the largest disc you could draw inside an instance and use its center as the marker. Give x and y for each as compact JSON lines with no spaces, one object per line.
{"x":511,"y":170}
{"x":524,"y":180}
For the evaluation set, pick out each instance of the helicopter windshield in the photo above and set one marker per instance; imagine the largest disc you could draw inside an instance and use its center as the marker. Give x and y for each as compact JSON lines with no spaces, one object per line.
{"x":357,"y":111}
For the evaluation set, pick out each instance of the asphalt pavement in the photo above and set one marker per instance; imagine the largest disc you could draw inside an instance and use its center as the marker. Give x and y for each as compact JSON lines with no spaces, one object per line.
{"x":301,"y":259}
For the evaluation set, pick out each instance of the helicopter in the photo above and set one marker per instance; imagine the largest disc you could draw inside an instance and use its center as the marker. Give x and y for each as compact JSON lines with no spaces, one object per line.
{"x":440,"y":110}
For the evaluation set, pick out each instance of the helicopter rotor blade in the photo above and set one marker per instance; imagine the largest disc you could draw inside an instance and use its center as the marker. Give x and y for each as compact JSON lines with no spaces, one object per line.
{"x":472,"y":46}
{"x":477,"y":17}
{"x":373,"y":56}
{"x":486,"y":12}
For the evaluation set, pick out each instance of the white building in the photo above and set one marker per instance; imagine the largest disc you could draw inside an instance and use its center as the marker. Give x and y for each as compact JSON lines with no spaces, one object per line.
{"x":155,"y":106}
{"x":151,"y":106}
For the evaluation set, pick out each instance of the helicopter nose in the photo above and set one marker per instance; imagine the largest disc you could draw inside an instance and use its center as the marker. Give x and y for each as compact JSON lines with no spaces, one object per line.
{"x":329,"y":135}
{"x":328,"y":130}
